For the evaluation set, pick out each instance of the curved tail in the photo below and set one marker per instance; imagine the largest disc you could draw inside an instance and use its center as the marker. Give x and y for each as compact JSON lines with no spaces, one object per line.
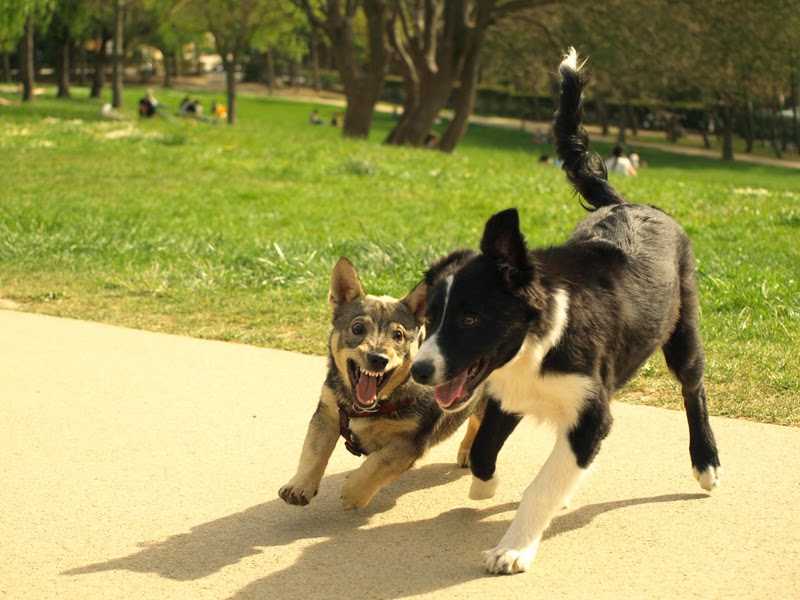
{"x":585,"y":171}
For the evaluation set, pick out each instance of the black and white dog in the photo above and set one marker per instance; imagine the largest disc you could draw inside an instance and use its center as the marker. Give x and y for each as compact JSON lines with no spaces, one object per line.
{"x":555,"y":332}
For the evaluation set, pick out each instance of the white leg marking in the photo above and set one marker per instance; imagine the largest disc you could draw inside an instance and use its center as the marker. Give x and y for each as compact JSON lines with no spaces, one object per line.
{"x":709,"y":479}
{"x":483,"y":490}
{"x":554,"y":484}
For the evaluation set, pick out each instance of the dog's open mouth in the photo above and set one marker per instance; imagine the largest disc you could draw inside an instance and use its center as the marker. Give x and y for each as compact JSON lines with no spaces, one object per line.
{"x":457,"y":391}
{"x":367,"y":384}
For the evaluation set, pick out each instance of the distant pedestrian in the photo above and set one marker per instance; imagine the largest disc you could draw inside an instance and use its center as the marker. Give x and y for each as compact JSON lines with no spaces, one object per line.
{"x":620,"y":164}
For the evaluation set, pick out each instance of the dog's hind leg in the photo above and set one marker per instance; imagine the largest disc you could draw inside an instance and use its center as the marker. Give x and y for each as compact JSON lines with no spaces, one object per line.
{"x":464,"y":448}
{"x":683,"y":352}
{"x":495,"y":427}
{"x":684,"y":355}
{"x":378,"y":469}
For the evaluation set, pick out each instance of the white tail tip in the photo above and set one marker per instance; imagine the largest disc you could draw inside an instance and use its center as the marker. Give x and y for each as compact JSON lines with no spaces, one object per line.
{"x":571,"y":60}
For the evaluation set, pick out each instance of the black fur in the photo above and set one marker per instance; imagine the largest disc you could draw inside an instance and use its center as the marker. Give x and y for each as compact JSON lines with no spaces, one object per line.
{"x":628,"y":271}
{"x":495,"y":428}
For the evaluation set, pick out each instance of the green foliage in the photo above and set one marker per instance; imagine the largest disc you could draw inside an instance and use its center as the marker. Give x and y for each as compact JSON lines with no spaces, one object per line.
{"x":231,"y":232}
{"x":14,"y":13}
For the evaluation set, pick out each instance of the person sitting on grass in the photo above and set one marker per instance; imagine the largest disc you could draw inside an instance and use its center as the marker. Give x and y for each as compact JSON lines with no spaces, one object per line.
{"x":314,"y":118}
{"x":148,"y":106}
{"x":619,"y":163}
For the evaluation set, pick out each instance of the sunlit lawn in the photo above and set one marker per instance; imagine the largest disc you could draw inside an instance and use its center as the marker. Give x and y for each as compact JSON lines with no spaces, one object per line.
{"x":231,"y":232}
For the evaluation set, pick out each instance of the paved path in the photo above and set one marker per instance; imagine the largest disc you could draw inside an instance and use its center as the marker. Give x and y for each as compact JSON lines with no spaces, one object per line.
{"x":144,"y":465}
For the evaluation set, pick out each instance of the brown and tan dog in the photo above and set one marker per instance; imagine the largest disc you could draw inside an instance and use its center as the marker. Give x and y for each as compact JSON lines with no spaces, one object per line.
{"x":369,"y":398}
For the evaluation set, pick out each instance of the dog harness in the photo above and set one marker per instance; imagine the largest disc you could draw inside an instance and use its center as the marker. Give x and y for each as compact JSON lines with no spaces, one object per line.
{"x":348,"y":412}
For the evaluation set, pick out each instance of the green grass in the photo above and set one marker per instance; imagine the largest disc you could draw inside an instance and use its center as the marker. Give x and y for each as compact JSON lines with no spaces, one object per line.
{"x":231,"y":232}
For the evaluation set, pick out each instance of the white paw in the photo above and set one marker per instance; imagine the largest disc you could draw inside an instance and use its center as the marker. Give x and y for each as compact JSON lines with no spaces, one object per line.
{"x":709,"y":478}
{"x":507,"y":561}
{"x":483,"y":490}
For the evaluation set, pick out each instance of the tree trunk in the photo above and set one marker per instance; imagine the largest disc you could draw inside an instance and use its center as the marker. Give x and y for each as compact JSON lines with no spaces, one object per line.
{"x":362,"y":87}
{"x":726,"y":117}
{"x":622,"y":125}
{"x":83,"y":66}
{"x":602,"y":113}
{"x":118,"y":64}
{"x":773,"y":126}
{"x":411,"y":85}
{"x":632,"y":121}
{"x":63,"y":69}
{"x":230,"y":85}
{"x":26,"y":68}
{"x":795,"y":100}
{"x":465,"y":98}
{"x":176,"y":58}
{"x":271,"y":71}
{"x":100,"y":64}
{"x":749,"y":125}
{"x":468,"y":77}
{"x":704,"y":133}
{"x":537,"y":107}
{"x":167,"y":82}
{"x":315,"y":60}
{"x":6,"y":66}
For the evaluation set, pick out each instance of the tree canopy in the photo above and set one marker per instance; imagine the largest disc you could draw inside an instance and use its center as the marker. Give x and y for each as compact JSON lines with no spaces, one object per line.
{"x":735,"y":60}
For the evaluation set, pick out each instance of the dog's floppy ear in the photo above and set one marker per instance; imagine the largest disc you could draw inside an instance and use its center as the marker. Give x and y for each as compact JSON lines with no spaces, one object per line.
{"x":503,"y":241}
{"x":415,"y":301}
{"x":345,"y":284}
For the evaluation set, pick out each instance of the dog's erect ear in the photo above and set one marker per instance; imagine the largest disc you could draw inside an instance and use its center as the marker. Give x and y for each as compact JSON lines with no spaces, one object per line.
{"x":415,"y":301}
{"x":503,"y":241}
{"x":345,"y":284}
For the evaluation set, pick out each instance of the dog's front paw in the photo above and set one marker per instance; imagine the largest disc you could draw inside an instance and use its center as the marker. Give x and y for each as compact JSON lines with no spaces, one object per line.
{"x":463,"y":457}
{"x":297,"y":493}
{"x":483,"y":490}
{"x":708,"y":477}
{"x":507,"y":561}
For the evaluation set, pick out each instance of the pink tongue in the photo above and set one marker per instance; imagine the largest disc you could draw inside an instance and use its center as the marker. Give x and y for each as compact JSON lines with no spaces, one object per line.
{"x":449,"y":392}
{"x":367,"y":389}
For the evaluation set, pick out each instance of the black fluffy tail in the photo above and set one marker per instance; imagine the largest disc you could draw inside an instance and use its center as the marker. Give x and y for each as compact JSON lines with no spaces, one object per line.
{"x":585,"y":171}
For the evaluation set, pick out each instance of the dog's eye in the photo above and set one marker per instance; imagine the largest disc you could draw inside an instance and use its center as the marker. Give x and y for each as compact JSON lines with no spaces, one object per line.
{"x":397,"y":336}
{"x":358,"y":329}
{"x":471,"y":321}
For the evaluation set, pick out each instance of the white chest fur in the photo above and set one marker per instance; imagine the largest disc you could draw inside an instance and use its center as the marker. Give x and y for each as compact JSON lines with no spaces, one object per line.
{"x":522,"y":388}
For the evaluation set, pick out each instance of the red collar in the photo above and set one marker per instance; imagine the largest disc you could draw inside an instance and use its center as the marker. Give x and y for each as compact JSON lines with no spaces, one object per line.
{"x":350,"y":412}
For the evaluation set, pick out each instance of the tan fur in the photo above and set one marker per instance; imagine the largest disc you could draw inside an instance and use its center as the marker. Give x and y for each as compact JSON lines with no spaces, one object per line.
{"x":378,"y":469}
{"x":372,"y":344}
{"x":389,"y":441}
{"x":321,"y":438}
{"x":469,"y":437}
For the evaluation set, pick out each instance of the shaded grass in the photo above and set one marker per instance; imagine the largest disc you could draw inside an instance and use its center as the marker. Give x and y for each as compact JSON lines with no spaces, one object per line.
{"x":231,"y":232}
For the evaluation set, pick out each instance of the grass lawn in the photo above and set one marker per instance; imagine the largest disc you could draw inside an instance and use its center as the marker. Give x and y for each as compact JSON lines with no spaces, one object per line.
{"x":231,"y":232}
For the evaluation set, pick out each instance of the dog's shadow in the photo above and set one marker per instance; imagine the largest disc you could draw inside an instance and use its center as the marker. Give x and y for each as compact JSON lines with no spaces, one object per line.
{"x":401,"y":559}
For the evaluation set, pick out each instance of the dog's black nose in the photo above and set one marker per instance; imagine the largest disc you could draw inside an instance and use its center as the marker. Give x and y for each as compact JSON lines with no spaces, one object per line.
{"x":422,"y":371}
{"x":377,"y":362}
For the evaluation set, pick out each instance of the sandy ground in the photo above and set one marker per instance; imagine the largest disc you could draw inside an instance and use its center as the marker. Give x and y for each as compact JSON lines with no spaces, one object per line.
{"x":144,"y":465}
